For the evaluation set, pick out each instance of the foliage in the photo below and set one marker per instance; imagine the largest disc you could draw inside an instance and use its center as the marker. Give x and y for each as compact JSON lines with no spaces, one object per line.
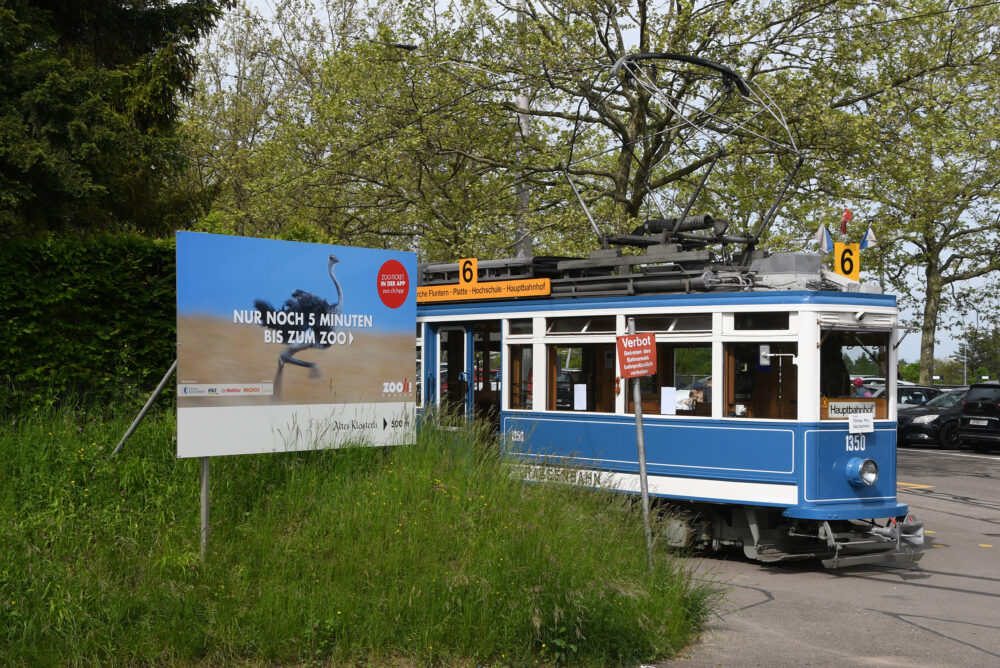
{"x":863,"y":365}
{"x":980,"y":350}
{"x":325,"y":127}
{"x":431,"y":554}
{"x":929,"y":172}
{"x":304,"y":129}
{"x":85,"y":318}
{"x":909,"y":371}
{"x":88,"y":101}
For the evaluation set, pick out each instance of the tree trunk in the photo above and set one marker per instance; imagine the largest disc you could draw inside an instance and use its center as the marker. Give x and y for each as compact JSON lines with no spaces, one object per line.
{"x":928,"y":329}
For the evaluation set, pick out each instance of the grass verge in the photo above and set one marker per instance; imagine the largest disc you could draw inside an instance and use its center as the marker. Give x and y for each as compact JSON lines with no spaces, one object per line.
{"x":431,"y":554}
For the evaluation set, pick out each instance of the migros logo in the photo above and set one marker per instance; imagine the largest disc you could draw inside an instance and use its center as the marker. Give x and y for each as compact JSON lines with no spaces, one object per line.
{"x":396,"y":387}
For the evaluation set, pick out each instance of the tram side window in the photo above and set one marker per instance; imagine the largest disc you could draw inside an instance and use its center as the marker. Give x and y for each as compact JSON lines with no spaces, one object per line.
{"x":847,"y":358}
{"x":582,"y":377}
{"x":761,"y":385}
{"x":686,"y":368}
{"x":750,"y":321}
{"x":520,"y":382}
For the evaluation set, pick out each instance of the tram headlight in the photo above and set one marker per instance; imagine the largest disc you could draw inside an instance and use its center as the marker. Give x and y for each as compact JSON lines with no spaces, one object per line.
{"x":862,"y":472}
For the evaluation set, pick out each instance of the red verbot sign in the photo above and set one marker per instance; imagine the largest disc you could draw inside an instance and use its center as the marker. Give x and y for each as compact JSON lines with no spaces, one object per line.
{"x":637,"y":355}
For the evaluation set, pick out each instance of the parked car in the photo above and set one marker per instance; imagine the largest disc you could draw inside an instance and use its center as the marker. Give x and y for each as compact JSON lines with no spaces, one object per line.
{"x":875,"y":382}
{"x":565,"y":379}
{"x":871,"y":382}
{"x":980,"y":422}
{"x":935,"y":422}
{"x":913,"y":395}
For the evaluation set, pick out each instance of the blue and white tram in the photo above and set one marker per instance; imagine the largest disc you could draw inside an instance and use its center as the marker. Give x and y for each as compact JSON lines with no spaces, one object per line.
{"x":751,"y":426}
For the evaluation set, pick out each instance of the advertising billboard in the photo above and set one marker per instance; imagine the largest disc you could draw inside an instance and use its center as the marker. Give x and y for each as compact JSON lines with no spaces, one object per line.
{"x":283,"y":345}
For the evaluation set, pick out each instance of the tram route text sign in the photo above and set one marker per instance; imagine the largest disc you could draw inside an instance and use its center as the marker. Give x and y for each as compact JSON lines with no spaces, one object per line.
{"x":469,"y":287}
{"x":637,"y":355}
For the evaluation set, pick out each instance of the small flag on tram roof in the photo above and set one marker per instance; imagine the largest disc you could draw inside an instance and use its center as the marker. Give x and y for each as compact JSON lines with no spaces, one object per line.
{"x":843,"y":220}
{"x":824,"y":239}
{"x":869,"y":239}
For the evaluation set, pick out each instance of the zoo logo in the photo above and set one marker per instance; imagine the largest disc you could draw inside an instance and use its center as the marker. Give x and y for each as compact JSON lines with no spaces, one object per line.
{"x":396,"y":387}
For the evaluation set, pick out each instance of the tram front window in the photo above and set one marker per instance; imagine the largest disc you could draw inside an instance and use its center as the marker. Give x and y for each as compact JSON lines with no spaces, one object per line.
{"x":847,"y":358}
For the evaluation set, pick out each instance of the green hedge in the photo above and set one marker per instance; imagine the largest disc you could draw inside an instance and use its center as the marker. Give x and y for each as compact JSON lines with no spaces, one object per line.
{"x":85,"y":318}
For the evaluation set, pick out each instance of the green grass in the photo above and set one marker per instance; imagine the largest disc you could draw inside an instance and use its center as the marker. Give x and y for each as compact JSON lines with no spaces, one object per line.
{"x":432,"y":554}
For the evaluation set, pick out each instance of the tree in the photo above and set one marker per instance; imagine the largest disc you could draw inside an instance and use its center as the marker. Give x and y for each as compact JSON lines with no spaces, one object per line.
{"x":423,"y":148}
{"x":981,"y":348}
{"x":892,"y":104}
{"x":88,"y":103}
{"x":932,"y":174}
{"x":829,"y":64}
{"x":909,"y":371}
{"x":309,"y":132}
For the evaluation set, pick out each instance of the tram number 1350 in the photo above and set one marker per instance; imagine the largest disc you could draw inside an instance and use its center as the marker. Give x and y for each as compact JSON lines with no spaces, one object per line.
{"x":855,"y":442}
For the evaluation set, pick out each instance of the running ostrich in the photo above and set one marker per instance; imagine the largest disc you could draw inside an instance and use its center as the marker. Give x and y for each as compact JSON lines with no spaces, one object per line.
{"x":311,"y":309}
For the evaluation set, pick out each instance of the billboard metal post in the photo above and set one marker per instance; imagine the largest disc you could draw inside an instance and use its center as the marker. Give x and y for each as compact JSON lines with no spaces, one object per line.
{"x":641,"y":444}
{"x":204,"y":508}
{"x":149,"y":402}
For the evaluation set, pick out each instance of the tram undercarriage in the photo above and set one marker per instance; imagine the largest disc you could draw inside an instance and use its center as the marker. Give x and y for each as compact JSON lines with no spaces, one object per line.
{"x":765,"y":535}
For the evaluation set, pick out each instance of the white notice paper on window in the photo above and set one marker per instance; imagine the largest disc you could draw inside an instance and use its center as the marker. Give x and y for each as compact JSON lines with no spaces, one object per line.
{"x":668,"y":401}
{"x":579,"y":396}
{"x":861,"y":424}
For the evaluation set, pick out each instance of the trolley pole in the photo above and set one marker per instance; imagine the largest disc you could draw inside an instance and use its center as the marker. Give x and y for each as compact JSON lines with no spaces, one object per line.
{"x":641,"y":444}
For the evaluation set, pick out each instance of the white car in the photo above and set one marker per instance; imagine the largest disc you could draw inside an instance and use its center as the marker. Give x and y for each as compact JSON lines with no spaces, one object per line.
{"x":875,"y":382}
{"x":911,"y":395}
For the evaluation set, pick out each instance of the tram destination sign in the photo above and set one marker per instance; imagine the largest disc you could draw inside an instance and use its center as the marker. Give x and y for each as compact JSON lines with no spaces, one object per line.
{"x":469,"y":288}
{"x":532,"y":287}
{"x":637,"y":355}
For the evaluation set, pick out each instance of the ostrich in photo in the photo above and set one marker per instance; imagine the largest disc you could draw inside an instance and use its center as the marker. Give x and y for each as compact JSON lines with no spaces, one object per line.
{"x":299,"y":310}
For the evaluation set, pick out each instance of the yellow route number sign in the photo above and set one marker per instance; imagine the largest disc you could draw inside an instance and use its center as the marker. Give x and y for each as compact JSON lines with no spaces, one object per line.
{"x":468,"y":271}
{"x":846,"y":260}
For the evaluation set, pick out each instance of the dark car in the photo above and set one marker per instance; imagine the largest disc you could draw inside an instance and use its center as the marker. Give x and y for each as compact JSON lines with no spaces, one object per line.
{"x":912,"y":395}
{"x":935,"y":422}
{"x":980,"y":426}
{"x":565,"y":380}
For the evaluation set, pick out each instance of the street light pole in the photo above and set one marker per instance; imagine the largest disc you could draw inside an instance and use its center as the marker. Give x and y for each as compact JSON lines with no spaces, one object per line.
{"x":965,"y":364}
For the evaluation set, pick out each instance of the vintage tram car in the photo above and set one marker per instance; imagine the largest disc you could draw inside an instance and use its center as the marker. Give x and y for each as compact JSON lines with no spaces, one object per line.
{"x":751,"y":430}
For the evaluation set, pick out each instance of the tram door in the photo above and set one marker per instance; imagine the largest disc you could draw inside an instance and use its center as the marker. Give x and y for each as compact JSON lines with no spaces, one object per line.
{"x":487,"y":364}
{"x":449,"y":372}
{"x":467,"y":367}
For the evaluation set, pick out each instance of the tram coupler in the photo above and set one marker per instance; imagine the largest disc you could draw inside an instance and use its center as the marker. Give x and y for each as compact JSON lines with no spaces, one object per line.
{"x":906,"y":531}
{"x":907,"y":534}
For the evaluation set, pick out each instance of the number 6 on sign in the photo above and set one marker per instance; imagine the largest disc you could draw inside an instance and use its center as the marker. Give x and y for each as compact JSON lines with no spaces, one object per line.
{"x":845,"y":260}
{"x":468,"y":270}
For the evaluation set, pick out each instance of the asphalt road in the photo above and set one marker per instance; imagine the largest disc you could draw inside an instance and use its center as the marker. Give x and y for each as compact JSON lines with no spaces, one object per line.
{"x":944,"y":611}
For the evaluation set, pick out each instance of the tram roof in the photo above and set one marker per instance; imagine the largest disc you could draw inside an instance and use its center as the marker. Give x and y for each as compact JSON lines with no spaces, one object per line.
{"x":789,"y":298}
{"x":658,"y":277}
